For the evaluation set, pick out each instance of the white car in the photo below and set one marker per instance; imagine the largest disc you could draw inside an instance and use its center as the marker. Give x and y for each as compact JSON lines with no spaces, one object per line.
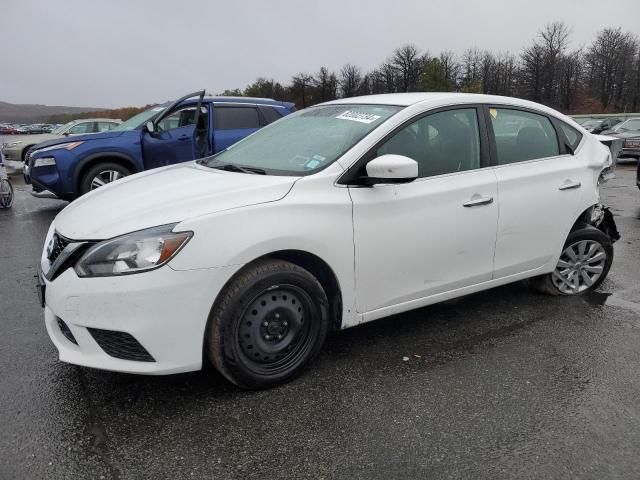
{"x":337,"y":215}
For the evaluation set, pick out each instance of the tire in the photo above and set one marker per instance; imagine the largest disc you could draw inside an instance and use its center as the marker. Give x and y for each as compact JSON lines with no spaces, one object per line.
{"x":102,"y":171}
{"x":594,"y":267}
{"x":267,"y":325}
{"x":6,"y":193}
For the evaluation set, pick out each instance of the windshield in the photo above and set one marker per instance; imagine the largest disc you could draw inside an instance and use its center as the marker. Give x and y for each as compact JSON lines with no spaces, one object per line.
{"x":592,"y":123}
{"x":139,"y":119}
{"x":631,"y":124}
{"x":63,"y":128}
{"x":304,"y":142}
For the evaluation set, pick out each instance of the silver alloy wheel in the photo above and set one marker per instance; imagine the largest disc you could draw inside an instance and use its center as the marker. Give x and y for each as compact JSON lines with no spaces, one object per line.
{"x":580,"y":266}
{"x":104,"y":177}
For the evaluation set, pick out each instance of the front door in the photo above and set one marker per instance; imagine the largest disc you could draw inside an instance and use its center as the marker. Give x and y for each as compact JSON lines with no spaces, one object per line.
{"x":437,"y":233}
{"x":175,"y":138}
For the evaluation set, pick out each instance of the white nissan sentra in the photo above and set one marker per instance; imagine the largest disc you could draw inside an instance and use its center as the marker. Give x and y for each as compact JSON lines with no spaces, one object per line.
{"x":337,"y":215}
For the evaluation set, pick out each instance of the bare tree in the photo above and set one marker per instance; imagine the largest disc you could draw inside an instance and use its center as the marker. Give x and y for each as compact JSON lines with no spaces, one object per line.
{"x":408,"y":64}
{"x":350,"y":78}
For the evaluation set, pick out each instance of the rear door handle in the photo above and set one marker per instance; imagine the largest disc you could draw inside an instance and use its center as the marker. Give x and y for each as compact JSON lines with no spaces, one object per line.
{"x":474,"y":202}
{"x":568,"y":185}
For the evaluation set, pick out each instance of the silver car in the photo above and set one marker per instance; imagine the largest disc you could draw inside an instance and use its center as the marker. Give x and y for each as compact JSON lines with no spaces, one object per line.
{"x":19,"y":146}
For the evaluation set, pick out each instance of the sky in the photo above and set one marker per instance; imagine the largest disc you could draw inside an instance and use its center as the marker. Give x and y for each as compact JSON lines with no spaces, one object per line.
{"x":115,"y":53}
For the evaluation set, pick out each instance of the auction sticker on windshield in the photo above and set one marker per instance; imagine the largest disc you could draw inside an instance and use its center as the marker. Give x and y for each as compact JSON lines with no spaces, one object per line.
{"x":358,"y":117}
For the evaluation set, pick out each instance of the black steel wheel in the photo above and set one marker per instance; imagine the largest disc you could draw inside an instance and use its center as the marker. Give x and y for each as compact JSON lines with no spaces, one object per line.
{"x":267,"y":325}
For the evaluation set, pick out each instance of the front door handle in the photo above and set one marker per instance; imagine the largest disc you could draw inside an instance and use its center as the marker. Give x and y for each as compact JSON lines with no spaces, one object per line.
{"x":184,"y":137}
{"x":568,"y":185}
{"x":474,"y":202}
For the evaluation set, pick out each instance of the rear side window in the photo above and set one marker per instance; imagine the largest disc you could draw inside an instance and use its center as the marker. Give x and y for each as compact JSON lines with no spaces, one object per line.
{"x":84,"y":127}
{"x":571,"y":134}
{"x":231,"y":118}
{"x":105,"y":126}
{"x":522,"y":136}
{"x":270,"y":114}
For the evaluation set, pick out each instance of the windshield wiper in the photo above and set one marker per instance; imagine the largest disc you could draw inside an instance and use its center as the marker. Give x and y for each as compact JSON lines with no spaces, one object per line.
{"x":231,"y":167}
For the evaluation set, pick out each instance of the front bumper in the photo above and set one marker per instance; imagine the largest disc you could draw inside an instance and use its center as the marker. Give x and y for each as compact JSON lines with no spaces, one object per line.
{"x":164,"y":310}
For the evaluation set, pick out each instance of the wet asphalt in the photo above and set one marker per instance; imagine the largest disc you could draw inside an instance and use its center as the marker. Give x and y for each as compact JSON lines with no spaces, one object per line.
{"x":502,"y":384}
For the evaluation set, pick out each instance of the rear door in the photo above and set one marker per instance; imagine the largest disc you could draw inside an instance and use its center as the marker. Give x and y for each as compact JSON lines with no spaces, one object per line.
{"x":232,"y":123}
{"x":539,"y":188}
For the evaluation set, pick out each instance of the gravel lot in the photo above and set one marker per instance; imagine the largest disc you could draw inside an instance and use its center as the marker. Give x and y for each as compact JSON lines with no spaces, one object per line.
{"x":501,"y":384}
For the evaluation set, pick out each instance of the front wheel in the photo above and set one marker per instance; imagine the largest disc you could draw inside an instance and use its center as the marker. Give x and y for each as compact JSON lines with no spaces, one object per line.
{"x":583,"y":265}
{"x":267,"y":325}
{"x":101,"y":174}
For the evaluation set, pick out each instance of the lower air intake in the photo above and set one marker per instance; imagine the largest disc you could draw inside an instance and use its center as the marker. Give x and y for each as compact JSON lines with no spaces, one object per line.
{"x":120,"y":345}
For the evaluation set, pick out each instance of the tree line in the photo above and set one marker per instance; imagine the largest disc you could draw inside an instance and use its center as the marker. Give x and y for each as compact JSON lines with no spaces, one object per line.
{"x":601,"y":77}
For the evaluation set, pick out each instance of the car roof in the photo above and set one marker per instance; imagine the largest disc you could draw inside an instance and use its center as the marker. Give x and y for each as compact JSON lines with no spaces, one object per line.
{"x":252,"y":100}
{"x":407,"y":99}
{"x":117,"y":120}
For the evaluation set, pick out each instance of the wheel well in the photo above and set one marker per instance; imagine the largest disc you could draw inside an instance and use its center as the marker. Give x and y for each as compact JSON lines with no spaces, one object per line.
{"x":94,"y":161}
{"x":583,"y":219}
{"x":323,"y":272}
{"x":25,"y":150}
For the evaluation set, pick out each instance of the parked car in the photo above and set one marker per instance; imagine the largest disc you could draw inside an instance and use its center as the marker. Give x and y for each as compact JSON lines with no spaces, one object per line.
{"x":189,"y":128}
{"x":629,"y":132}
{"x":336,"y":215}
{"x":598,"y":125}
{"x":19,"y":148}
{"x":8,"y":130}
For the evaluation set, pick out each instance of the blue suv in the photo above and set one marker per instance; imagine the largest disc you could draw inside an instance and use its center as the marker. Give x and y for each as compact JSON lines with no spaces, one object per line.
{"x":192,"y":127}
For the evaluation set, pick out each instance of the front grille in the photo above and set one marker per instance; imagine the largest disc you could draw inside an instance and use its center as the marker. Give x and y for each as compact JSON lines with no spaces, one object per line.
{"x":64,"y":329}
{"x":120,"y":345}
{"x":57,"y":246}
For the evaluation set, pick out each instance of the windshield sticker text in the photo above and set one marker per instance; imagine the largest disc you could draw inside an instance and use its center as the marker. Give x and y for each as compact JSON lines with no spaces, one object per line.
{"x":358,"y":117}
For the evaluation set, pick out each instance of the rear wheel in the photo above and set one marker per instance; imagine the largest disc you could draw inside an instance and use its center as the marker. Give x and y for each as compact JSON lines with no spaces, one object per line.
{"x":583,"y":265}
{"x":101,"y":174}
{"x":268,"y":324}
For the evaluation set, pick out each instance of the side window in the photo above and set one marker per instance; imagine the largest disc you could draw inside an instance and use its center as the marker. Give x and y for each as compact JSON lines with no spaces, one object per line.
{"x":80,"y":128}
{"x":231,"y":118}
{"x":180,"y":118}
{"x":572,"y":135}
{"x":270,"y":114}
{"x":522,"y":136}
{"x":633,"y":125}
{"x":443,"y":142}
{"x":105,"y":126}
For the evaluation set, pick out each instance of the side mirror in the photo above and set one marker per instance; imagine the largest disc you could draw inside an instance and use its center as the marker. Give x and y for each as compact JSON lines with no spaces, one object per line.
{"x":150,"y":127}
{"x":66,"y":134}
{"x":391,"y":169}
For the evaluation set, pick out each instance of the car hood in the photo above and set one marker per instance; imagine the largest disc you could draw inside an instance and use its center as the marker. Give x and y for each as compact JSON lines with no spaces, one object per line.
{"x":78,"y":138}
{"x":165,"y":195}
{"x":32,"y":139}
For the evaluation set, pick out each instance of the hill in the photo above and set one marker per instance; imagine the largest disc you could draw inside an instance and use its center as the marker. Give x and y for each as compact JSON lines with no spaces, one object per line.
{"x":28,"y":113}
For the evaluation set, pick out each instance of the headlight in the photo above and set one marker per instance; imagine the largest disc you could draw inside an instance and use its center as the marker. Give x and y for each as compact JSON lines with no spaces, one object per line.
{"x":44,"y":162}
{"x":66,"y":146}
{"x":132,"y":253}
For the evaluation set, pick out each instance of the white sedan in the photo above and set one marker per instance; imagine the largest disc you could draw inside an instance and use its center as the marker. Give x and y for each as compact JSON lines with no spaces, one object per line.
{"x":334,"y":216}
